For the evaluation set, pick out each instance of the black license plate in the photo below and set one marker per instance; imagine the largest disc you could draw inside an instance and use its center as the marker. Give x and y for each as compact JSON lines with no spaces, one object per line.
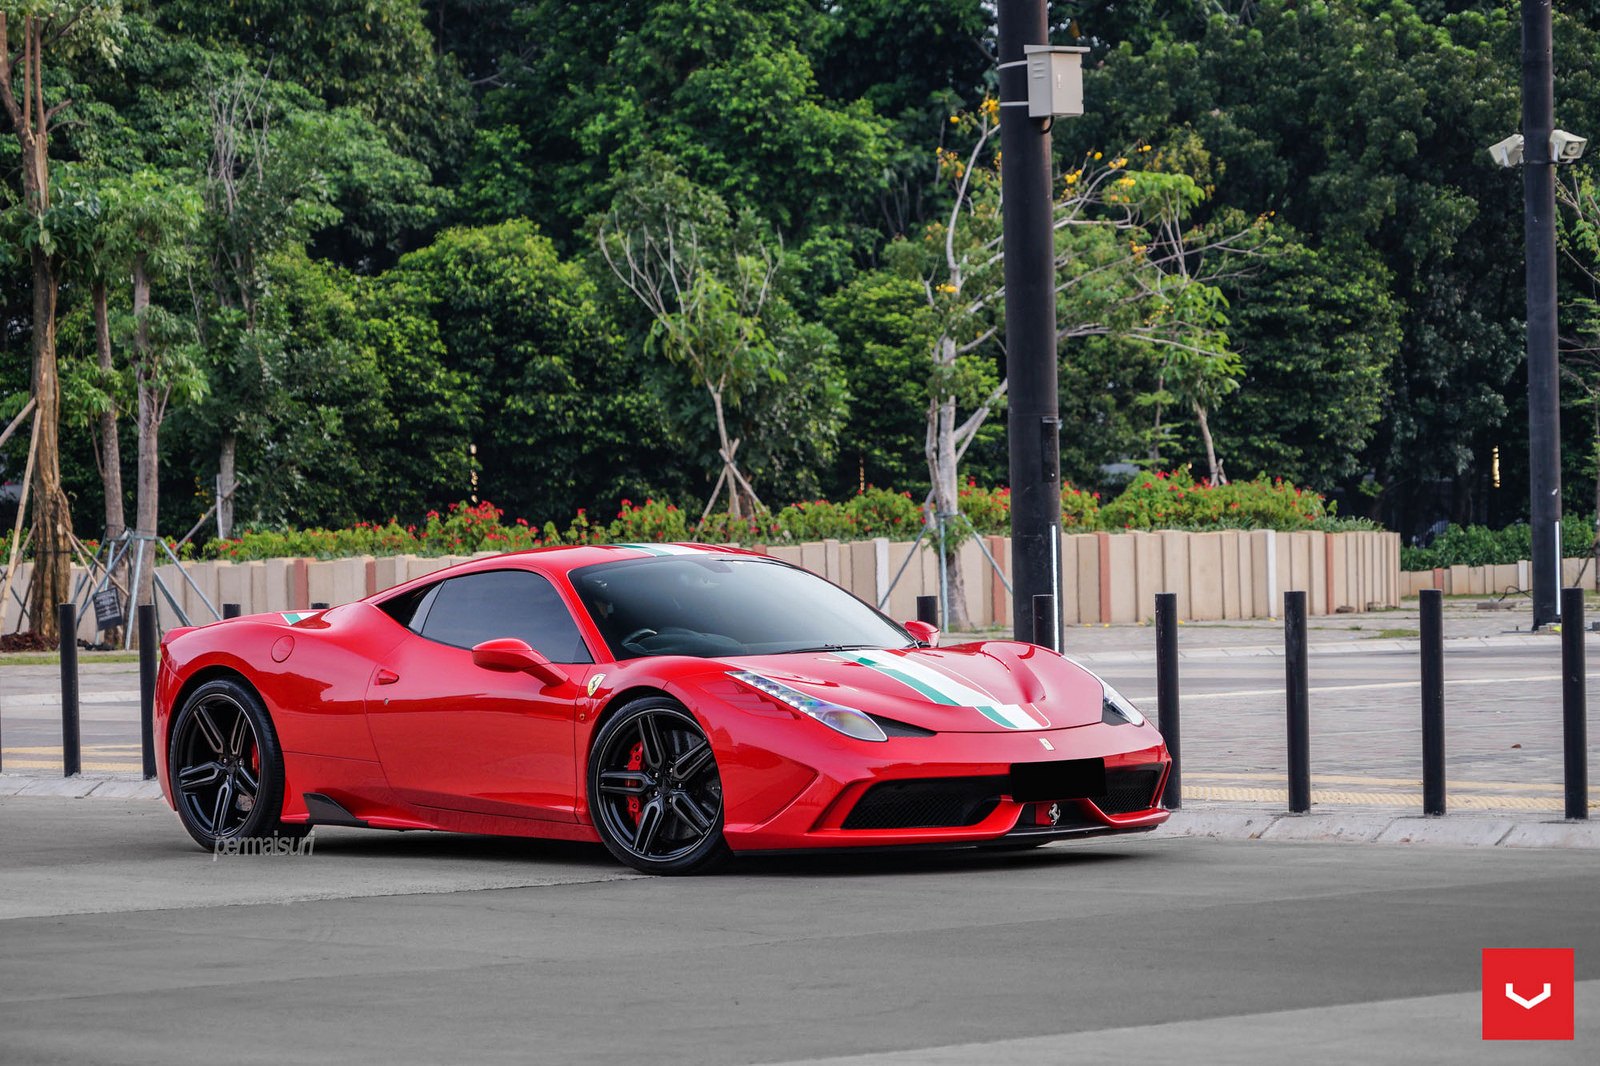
{"x":1063,"y":779}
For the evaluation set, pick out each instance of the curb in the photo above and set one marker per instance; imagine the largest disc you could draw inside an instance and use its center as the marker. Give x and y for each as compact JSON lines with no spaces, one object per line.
{"x":79,"y":787}
{"x":1379,"y":827}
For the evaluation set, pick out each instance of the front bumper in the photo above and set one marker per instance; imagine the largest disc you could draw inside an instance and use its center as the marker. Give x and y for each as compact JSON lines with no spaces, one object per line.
{"x":785,"y":803}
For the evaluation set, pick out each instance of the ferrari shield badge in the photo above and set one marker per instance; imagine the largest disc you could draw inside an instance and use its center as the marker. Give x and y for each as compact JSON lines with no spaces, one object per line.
{"x":595,"y":682}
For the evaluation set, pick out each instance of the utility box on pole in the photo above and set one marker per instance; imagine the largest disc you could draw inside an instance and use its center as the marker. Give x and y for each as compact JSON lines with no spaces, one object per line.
{"x":1055,"y":80}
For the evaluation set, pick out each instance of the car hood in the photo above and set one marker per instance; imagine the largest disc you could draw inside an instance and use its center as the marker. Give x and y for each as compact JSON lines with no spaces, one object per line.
{"x":988,"y":686}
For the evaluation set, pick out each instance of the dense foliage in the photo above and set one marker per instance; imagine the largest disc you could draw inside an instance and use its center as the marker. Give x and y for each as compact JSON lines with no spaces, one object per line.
{"x":1481,"y":546}
{"x":375,"y":233}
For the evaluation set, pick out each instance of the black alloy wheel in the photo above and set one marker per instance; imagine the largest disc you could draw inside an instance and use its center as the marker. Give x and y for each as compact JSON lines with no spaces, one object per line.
{"x":225,"y":766}
{"x":654,"y":790}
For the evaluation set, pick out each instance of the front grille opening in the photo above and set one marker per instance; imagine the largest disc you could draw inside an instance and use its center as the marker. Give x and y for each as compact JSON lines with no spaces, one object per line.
{"x":945,"y":803}
{"x":1130,"y":790}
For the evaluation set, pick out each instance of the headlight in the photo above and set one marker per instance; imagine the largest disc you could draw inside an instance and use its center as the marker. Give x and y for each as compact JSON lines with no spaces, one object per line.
{"x":1120,"y":705}
{"x":846,"y":720}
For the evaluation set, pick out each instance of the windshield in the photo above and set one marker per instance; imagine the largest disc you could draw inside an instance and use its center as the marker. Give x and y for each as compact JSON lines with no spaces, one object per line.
{"x":709,"y":607}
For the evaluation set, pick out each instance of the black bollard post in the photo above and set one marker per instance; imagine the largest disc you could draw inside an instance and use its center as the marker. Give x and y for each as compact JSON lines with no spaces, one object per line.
{"x":319,"y":607}
{"x":1044,"y":620}
{"x":1432,"y":631}
{"x":1167,"y":693}
{"x":149,"y":649}
{"x":1297,"y":701}
{"x":928,"y":609}
{"x":1574,"y":705}
{"x":71,"y":748}
{"x":231,"y":610}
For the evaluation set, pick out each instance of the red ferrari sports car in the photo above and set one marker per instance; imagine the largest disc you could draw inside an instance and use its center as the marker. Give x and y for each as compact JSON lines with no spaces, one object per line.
{"x":675,"y":702}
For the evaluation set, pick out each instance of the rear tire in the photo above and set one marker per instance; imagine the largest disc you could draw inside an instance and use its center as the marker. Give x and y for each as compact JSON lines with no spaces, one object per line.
{"x":226,"y":767}
{"x":654,"y":791}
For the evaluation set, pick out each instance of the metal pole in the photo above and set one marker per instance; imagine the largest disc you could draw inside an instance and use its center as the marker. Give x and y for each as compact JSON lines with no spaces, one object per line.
{"x":71,"y":753}
{"x":944,"y":579}
{"x":1044,"y":620}
{"x":137,"y":545}
{"x":1297,"y":701}
{"x":149,"y":648}
{"x":1539,"y":226}
{"x":1574,"y":705}
{"x":1167,"y":693}
{"x":231,"y":610}
{"x":1033,"y":421}
{"x":928,"y":609}
{"x":1432,"y":627}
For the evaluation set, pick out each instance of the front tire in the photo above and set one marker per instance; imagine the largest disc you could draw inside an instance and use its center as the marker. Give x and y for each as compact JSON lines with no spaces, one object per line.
{"x":226,"y":767}
{"x":654,"y":790}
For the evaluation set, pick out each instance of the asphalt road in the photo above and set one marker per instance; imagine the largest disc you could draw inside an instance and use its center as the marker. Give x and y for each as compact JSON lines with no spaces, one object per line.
{"x":120,"y":942}
{"x":1503,"y":734}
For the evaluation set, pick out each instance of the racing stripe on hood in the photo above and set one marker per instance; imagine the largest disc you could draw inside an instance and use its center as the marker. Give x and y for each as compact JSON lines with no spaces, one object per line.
{"x":661,"y":549}
{"x":941,"y":688}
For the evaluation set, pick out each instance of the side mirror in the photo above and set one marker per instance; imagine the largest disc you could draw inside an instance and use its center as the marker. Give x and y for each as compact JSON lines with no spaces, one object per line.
{"x":926,"y":632}
{"x":508,"y":654}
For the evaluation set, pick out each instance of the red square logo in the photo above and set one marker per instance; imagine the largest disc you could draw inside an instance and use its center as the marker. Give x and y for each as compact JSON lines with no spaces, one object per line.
{"x":1527,"y":993}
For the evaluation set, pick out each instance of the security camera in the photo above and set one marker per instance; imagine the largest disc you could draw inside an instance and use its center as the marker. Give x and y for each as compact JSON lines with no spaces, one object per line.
{"x":1566,"y":147}
{"x":1508,"y":153}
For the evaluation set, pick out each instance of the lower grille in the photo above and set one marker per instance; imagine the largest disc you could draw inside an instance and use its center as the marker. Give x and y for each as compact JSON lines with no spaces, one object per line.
{"x":943,"y":803}
{"x":1129,"y":790}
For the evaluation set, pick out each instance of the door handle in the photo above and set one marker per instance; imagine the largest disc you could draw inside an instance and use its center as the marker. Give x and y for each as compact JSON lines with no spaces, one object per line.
{"x":386,"y":677}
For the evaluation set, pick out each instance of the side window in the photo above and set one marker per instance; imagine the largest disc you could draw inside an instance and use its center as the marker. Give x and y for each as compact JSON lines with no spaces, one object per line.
{"x":411,"y":610}
{"x":504,"y":603}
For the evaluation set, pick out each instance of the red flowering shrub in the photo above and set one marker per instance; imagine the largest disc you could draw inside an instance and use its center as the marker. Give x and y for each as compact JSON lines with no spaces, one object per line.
{"x":656,"y":522}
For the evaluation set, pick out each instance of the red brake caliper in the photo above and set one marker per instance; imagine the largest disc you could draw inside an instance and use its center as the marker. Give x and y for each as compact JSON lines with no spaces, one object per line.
{"x":635,"y":762}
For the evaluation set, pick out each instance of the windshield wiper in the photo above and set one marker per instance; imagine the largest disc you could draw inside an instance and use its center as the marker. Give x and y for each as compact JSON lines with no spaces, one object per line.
{"x":831,"y":647}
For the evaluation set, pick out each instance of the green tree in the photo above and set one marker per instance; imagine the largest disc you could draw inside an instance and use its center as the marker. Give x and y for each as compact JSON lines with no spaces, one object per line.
{"x":708,"y":282}
{"x":1317,"y":333}
{"x":49,"y":31}
{"x":1361,"y":124}
{"x":725,"y":88}
{"x":503,"y":344}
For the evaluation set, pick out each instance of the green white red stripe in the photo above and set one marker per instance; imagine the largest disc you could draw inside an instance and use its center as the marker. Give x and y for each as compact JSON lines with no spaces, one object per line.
{"x":295,"y":616}
{"x":936,"y":686}
{"x":662,"y":549}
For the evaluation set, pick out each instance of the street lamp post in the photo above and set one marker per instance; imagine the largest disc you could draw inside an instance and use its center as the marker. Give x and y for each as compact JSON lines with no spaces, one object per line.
{"x":1539,"y":226}
{"x":1037,"y":83}
{"x":1538,"y":150}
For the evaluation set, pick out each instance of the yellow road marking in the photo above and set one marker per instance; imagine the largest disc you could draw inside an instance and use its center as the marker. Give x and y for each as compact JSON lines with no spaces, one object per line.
{"x":1348,"y":779}
{"x":1280,"y":797}
{"x":55,"y":765}
{"x":55,"y":749}
{"x":1366,"y":686}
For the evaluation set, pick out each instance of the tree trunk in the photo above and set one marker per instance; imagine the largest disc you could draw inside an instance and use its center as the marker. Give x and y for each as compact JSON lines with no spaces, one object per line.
{"x":225,"y":484}
{"x":728,"y":469}
{"x":942,"y":471}
{"x":1217,"y":476}
{"x":52,"y":518}
{"x":110,"y":446}
{"x":148,"y":487}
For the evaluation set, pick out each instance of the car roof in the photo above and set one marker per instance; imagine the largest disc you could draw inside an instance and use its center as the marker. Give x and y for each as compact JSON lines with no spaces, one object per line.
{"x":563,"y":559}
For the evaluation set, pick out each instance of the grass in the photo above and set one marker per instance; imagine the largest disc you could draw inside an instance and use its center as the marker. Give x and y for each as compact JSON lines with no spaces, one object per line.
{"x":1395,"y":634}
{"x":51,"y":658}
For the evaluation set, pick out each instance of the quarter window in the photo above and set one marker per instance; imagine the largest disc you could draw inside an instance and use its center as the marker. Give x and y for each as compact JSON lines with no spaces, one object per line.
{"x":471,"y":609}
